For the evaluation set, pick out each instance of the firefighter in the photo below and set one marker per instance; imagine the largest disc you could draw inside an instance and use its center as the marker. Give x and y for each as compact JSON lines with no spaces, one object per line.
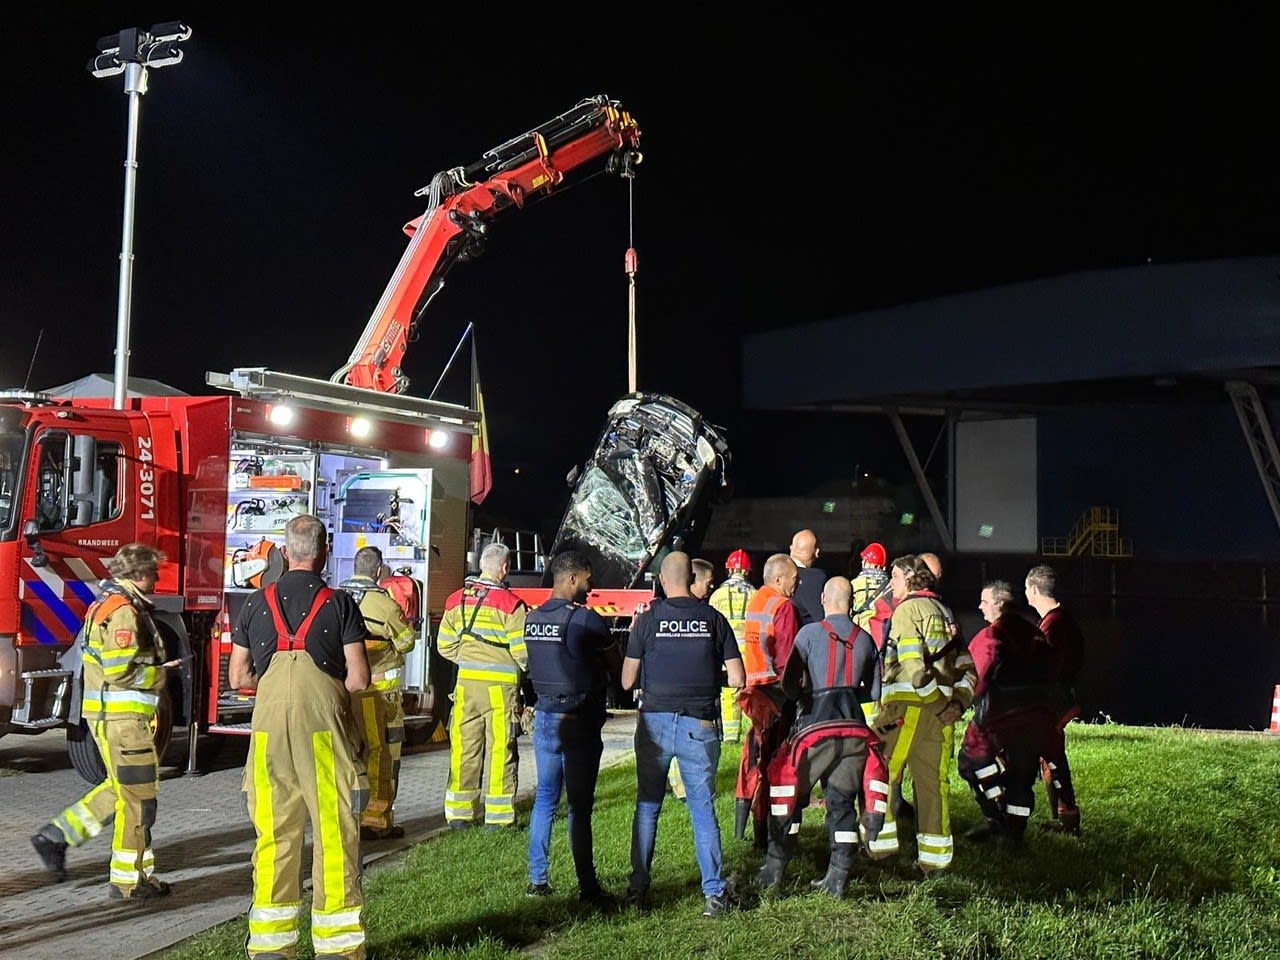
{"x":1012,"y":719}
{"x":301,"y":646}
{"x":124,"y":679}
{"x":482,"y":631}
{"x":871,"y":584}
{"x":835,"y":667}
{"x":771,"y":624}
{"x":731,"y":599}
{"x":923,"y":692}
{"x":405,"y":590}
{"x":379,"y":710}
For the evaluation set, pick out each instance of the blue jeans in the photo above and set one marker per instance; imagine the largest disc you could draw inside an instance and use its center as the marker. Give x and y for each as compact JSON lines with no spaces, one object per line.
{"x":696,"y":744}
{"x":567,"y":748}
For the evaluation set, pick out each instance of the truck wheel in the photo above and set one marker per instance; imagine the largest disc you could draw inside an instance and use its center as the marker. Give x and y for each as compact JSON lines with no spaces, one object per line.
{"x":83,"y":749}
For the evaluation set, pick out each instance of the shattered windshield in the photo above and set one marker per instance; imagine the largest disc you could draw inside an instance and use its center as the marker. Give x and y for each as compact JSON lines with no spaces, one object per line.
{"x":11,"y":444}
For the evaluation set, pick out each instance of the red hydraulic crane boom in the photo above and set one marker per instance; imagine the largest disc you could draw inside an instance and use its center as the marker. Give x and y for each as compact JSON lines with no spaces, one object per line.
{"x":462,"y":201}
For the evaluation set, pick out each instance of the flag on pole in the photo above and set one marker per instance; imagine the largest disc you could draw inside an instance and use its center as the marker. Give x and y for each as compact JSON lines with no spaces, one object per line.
{"x":481,"y":466}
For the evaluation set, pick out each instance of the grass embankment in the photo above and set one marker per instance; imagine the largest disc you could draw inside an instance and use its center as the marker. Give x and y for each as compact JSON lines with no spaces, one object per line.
{"x":1180,"y":858}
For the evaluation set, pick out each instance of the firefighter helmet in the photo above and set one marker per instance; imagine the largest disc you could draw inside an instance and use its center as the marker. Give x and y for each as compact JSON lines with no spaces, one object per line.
{"x":738,"y":561}
{"x":873,"y":555}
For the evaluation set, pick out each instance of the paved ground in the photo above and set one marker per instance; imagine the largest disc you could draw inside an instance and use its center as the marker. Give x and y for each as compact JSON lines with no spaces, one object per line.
{"x":203,"y":840}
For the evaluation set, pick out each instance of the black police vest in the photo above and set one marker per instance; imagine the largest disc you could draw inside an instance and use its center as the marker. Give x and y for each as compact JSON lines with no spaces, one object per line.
{"x":680,"y":653}
{"x":562,"y":682}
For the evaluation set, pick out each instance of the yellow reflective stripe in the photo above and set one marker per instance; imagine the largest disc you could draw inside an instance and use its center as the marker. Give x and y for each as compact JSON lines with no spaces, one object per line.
{"x":944,"y":779}
{"x":336,"y":931}
{"x":498,"y":742}
{"x":493,"y":674}
{"x":264,"y":865}
{"x":455,"y":747}
{"x":329,"y":827}
{"x":271,"y":928}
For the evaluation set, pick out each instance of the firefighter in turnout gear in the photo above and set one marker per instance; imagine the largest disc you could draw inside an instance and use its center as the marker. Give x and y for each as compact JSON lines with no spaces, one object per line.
{"x":871,"y":583}
{"x":379,"y":710}
{"x":482,"y":631}
{"x":301,"y":646}
{"x":731,"y":599}
{"x":124,"y":679}
{"x":926,"y":684}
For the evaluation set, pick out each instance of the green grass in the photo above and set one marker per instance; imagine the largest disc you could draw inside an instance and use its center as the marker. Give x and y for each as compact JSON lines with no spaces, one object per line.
{"x":1180,"y":858}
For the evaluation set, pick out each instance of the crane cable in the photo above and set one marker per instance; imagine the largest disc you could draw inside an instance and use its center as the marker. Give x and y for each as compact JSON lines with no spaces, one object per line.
{"x":631,"y":267}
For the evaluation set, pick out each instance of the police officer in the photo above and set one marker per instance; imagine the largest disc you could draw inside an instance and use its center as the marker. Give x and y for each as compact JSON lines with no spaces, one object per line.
{"x":482,"y":631}
{"x":572,"y":656}
{"x":123,"y":681}
{"x":301,"y":645}
{"x":681,"y":644}
{"x":379,"y":710}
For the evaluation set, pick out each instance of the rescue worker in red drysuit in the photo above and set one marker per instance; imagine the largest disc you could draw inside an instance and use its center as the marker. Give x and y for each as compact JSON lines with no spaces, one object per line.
{"x":1066,"y":640}
{"x":1012,"y":721}
{"x":832,"y":671}
{"x":771,"y":624}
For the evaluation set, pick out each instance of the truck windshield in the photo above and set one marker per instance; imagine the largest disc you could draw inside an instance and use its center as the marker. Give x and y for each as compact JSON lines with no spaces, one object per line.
{"x":11,"y":444}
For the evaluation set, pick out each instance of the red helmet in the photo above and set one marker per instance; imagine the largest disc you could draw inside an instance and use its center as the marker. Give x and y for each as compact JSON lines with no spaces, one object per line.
{"x":873,"y":555}
{"x":738,"y":560}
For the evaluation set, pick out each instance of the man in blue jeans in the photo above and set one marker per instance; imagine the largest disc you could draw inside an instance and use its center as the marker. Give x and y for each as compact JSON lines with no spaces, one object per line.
{"x":571,"y":657}
{"x":680,"y":643}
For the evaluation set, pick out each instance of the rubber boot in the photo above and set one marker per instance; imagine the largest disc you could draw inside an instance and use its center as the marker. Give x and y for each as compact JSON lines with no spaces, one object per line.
{"x":741,"y":814}
{"x":769,"y":879}
{"x":837,"y":872}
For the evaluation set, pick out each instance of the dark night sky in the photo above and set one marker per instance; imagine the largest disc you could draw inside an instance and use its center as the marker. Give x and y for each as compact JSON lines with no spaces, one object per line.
{"x":794,"y":171}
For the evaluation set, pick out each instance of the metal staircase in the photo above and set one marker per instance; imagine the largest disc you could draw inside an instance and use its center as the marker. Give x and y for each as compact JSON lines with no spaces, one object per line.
{"x":1095,"y":534}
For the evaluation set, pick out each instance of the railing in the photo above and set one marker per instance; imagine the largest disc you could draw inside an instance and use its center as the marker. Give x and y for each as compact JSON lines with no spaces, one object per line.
{"x":1095,"y":534}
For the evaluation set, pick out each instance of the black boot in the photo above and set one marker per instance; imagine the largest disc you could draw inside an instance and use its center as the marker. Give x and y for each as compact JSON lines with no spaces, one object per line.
{"x":52,"y":850}
{"x":902,"y":810}
{"x":769,"y":879}
{"x":837,"y":874}
{"x":987,"y":830}
{"x":741,"y":814}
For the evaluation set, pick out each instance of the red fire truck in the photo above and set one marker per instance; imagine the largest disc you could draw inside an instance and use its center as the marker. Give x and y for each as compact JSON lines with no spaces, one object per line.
{"x":211,"y":480}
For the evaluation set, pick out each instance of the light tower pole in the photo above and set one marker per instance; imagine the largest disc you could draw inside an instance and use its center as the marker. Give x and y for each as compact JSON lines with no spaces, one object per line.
{"x":131,"y":52}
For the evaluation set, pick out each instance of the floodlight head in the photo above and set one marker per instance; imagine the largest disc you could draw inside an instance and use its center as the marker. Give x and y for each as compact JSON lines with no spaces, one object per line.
{"x":170,"y":31}
{"x":161,"y":55}
{"x":106,"y":64}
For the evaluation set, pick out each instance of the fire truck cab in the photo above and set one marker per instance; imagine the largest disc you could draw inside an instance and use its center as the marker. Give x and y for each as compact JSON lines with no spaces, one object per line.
{"x":211,"y":481}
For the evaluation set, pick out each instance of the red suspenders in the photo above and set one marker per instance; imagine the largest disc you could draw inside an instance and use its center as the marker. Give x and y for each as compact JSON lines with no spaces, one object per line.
{"x":285,"y":640}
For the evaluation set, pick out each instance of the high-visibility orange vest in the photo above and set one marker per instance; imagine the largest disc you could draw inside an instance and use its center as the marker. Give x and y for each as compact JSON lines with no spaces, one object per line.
{"x":757,"y":641}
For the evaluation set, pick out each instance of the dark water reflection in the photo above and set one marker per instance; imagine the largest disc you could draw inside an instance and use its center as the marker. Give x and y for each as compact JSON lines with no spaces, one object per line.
{"x":1191,"y":662}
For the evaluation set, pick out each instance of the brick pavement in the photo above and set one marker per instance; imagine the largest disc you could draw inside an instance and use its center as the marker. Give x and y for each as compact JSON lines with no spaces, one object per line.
{"x":203,"y":840}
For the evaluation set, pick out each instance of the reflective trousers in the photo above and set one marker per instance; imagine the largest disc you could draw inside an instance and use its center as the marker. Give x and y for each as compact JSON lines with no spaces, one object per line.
{"x":128,"y":795}
{"x":482,"y":753}
{"x":379,"y":716}
{"x":304,"y":764}
{"x":731,"y":715}
{"x":1001,"y":766}
{"x":924,"y":746}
